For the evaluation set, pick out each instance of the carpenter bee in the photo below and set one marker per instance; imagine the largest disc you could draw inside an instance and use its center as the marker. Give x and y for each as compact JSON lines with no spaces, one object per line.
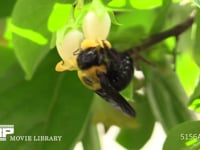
{"x":105,"y":71}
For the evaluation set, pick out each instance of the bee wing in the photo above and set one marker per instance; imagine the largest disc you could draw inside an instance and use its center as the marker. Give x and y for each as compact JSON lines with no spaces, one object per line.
{"x":112,"y":95}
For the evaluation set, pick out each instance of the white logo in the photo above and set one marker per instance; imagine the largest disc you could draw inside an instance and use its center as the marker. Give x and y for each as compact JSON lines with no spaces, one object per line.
{"x":5,"y":130}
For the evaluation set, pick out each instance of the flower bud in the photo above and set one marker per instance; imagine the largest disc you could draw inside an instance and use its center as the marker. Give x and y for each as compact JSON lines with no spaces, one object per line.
{"x":71,"y":42}
{"x":96,"y":26}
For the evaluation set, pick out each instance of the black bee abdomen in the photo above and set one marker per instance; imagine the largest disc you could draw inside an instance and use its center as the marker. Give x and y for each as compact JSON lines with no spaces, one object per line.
{"x":120,"y":71}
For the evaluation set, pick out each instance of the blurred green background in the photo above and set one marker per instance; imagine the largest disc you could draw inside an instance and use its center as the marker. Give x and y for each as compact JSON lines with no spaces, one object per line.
{"x":40,"y":101}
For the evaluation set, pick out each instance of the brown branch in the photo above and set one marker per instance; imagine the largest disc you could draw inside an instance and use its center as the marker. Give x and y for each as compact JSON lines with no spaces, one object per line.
{"x":156,"y":38}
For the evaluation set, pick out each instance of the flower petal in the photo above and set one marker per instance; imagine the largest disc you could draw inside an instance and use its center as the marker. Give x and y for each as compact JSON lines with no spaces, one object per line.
{"x":70,"y":43}
{"x":96,"y":27}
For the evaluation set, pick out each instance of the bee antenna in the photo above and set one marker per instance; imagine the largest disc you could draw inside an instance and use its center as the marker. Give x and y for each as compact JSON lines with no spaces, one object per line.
{"x":104,"y":44}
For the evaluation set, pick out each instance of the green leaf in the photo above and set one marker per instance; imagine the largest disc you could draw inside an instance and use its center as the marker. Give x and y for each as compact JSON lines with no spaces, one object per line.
{"x":167,"y":98}
{"x":194,"y":103}
{"x":127,"y":93}
{"x":196,"y":52}
{"x":146,"y":15}
{"x":31,"y":37}
{"x":184,"y":136}
{"x":161,"y":17}
{"x":6,"y":8}
{"x":197,"y":2}
{"x":90,"y":139}
{"x":29,"y":54}
{"x":28,"y":34}
{"x":175,"y":1}
{"x":133,"y":30}
{"x":117,"y":3}
{"x":185,"y":60}
{"x":7,"y":58}
{"x":47,"y":105}
{"x":59,"y":16}
{"x":135,"y":138}
{"x":119,"y":37}
{"x":145,"y":4}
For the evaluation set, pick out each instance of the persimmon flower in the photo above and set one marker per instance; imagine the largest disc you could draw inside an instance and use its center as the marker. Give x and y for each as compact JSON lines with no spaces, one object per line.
{"x":70,"y":43}
{"x":96,"y":26}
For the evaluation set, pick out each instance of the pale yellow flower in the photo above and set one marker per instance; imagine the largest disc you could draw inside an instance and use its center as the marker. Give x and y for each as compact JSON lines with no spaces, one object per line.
{"x":71,"y":42}
{"x":96,"y":27}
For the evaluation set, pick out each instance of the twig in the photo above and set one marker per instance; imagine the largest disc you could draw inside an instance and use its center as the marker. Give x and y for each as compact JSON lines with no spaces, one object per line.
{"x":156,"y":38}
